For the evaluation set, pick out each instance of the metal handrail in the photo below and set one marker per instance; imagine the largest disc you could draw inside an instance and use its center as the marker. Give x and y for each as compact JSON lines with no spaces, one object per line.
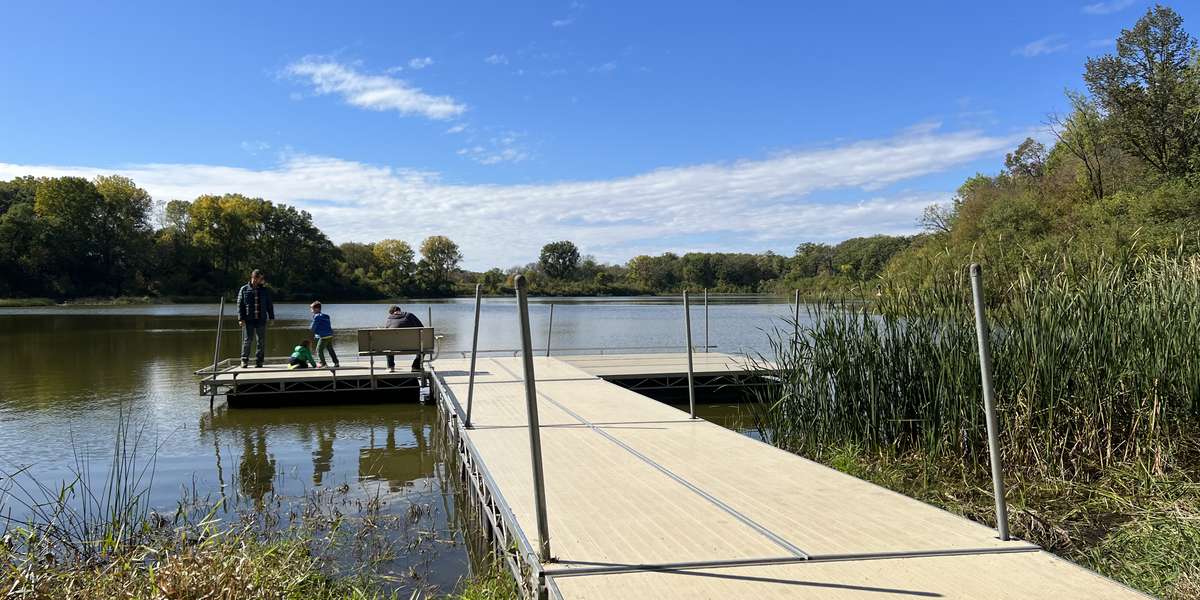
{"x":535,"y":435}
{"x":600,"y":349}
{"x":989,"y":401}
{"x":474,"y":353}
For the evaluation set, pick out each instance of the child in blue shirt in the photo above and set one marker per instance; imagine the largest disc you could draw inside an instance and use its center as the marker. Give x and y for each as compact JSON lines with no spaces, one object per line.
{"x":322,"y":329}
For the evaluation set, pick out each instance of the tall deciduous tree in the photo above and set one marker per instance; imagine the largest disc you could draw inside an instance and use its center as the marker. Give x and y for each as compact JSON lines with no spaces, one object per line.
{"x":1150,"y":91}
{"x":559,"y":259}
{"x":440,"y":258}
{"x":394,"y":259}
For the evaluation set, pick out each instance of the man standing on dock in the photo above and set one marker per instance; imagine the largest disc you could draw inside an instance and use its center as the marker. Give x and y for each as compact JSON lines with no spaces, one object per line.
{"x":254,"y":310}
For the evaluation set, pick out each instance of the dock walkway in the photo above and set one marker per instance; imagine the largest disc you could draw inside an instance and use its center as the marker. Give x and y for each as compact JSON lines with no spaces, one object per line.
{"x":645,"y":502}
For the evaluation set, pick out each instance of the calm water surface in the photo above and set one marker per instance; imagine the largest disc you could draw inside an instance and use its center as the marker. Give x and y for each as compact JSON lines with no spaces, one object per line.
{"x":68,"y":373}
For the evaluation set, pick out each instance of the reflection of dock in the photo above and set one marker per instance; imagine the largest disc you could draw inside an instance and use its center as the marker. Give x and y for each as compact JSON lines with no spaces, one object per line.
{"x":642,"y":501}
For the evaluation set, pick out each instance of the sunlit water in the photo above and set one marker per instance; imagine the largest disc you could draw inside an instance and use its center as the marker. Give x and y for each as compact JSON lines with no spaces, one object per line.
{"x":67,"y":374}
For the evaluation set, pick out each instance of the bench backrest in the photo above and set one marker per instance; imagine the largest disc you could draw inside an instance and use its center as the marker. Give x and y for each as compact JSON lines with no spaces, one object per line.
{"x":402,"y":340}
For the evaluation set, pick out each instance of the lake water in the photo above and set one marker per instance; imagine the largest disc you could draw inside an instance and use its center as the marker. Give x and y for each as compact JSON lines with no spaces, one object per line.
{"x":67,"y":374}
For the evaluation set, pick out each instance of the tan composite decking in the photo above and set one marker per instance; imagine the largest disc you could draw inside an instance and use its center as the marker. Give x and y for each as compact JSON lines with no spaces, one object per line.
{"x":632,"y":483}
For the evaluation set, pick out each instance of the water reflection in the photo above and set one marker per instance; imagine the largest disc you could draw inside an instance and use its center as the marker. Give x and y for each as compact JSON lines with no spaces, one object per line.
{"x":390,"y":444}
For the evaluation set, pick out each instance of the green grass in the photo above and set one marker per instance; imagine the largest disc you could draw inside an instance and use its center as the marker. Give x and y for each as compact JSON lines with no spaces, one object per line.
{"x":23,"y":302}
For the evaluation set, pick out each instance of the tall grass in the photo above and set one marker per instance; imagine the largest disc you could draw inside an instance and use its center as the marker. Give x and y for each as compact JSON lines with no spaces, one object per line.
{"x":1093,"y":364}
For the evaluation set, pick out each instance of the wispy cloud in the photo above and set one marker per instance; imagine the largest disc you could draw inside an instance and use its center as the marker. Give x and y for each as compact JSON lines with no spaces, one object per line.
{"x":255,"y":147}
{"x":1107,"y":8}
{"x":504,"y":148}
{"x":765,"y":203}
{"x":562,"y":22}
{"x":373,"y":92}
{"x":459,"y":128}
{"x":1104,"y":43}
{"x":1047,"y":45}
{"x":496,"y":59}
{"x":420,"y":63}
{"x":607,"y":67}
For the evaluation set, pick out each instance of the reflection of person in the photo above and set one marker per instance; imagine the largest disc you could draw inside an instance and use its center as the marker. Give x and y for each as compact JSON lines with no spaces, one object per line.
{"x":398,"y":319}
{"x":256,"y":469}
{"x":254,"y":310}
{"x":322,"y":329}
{"x":302,"y":357}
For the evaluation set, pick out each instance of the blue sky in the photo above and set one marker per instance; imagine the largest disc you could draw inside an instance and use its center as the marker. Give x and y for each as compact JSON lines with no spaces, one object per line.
{"x":628,"y":127}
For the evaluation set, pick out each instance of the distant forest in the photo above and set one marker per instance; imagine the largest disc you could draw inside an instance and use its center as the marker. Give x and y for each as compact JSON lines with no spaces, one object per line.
{"x":1120,"y":179}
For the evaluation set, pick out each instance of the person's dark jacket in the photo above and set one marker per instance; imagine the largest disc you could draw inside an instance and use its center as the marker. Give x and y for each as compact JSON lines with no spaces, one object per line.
{"x":402,"y":319}
{"x":254,"y":304}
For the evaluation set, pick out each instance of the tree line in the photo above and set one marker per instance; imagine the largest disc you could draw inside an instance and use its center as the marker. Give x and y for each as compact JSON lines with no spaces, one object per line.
{"x":1121,"y":178}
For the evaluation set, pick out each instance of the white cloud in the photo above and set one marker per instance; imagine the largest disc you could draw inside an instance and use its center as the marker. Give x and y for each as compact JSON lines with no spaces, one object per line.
{"x":373,"y":92}
{"x":562,"y":22}
{"x":1047,"y":45}
{"x":747,"y":205}
{"x":496,"y":59}
{"x":459,"y":128}
{"x":503,"y":148}
{"x":607,"y":67}
{"x":255,"y":147}
{"x":1102,"y":43}
{"x":1107,"y":8}
{"x":420,"y":63}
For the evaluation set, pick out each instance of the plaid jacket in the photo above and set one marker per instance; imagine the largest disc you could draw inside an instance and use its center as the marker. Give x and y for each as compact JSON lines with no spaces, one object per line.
{"x":254,"y":304}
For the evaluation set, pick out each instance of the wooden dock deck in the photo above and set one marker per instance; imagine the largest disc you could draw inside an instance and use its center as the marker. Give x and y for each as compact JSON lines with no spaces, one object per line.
{"x":645,"y":502}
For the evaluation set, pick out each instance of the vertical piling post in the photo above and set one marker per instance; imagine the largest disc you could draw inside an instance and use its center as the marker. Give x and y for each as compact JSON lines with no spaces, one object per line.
{"x":706,"y":345}
{"x":796,"y":314}
{"x":212,"y":398}
{"x":989,"y":401}
{"x":549,"y":329}
{"x":535,"y":437}
{"x":474,"y":351}
{"x":429,"y":315}
{"x":687,"y":325}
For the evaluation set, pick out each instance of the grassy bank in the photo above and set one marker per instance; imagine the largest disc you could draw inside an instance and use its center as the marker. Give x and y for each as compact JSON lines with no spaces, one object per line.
{"x":1098,"y":392}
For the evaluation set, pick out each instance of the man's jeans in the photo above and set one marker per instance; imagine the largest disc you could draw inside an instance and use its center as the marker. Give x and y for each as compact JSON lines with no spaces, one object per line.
{"x":251,"y":330}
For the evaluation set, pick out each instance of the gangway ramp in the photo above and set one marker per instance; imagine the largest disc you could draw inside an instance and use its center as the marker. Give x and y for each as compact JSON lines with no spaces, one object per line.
{"x":645,"y":502}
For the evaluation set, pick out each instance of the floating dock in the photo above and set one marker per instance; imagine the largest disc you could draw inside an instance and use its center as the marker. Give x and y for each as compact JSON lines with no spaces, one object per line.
{"x":643,"y":501}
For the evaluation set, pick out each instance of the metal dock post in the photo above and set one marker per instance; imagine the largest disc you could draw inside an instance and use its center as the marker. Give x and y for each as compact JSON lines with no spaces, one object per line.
{"x":687,"y":324}
{"x":217,"y":352}
{"x":474,"y":350}
{"x":989,"y":403}
{"x":706,"y":346}
{"x":549,"y":329}
{"x":535,"y":436}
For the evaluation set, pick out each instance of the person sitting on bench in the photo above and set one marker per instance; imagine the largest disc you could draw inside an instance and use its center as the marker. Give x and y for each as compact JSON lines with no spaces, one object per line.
{"x":398,"y":319}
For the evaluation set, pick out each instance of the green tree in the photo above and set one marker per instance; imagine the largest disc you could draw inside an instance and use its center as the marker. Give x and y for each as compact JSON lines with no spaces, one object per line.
{"x":559,"y":260}
{"x":70,"y":211}
{"x":493,"y":280}
{"x":440,"y":258}
{"x":124,"y":224}
{"x":394,"y":259}
{"x":1149,"y":90}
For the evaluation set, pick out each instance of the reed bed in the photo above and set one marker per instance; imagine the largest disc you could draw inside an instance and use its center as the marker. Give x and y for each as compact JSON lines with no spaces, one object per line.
{"x":1094,"y":365}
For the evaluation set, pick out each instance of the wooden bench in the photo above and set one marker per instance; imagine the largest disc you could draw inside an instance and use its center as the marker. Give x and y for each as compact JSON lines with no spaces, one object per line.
{"x":382,"y":341}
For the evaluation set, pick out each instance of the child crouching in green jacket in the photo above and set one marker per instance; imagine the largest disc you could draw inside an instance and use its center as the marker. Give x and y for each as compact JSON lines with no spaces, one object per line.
{"x":302,"y":357}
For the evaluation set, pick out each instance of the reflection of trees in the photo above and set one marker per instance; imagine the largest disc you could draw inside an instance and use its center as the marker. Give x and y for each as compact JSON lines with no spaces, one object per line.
{"x":256,"y":469}
{"x":400,"y":466}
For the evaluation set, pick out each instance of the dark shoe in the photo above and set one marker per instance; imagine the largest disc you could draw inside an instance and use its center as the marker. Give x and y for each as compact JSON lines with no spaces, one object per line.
{"x":337,"y":366}
{"x":245,"y":363}
{"x":257,"y":365}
